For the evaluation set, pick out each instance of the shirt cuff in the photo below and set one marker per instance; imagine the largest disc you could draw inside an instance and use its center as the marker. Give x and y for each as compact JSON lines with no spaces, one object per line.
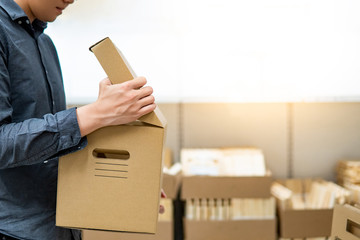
{"x":70,"y":139}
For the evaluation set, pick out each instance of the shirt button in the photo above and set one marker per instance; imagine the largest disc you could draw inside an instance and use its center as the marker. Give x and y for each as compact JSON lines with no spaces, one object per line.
{"x":27,"y":21}
{"x":20,"y":22}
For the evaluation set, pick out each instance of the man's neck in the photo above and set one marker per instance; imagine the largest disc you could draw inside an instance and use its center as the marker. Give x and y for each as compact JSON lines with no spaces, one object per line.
{"x":25,"y":6}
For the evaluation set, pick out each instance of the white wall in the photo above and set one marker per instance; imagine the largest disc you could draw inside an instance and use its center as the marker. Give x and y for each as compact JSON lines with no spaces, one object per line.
{"x":218,"y":50}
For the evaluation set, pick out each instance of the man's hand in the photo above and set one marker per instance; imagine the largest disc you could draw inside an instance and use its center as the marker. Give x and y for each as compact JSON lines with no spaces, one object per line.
{"x":162,"y":208}
{"x":116,"y":104}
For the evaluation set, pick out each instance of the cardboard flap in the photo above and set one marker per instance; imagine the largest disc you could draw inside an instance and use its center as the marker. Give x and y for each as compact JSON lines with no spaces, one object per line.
{"x":118,"y":70}
{"x":346,"y":223}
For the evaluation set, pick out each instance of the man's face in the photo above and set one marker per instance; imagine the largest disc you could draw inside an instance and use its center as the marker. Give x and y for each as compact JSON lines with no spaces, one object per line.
{"x":47,"y":10}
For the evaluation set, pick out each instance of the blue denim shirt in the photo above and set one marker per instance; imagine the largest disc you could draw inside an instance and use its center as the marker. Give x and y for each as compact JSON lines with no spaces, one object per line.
{"x":35,"y":127}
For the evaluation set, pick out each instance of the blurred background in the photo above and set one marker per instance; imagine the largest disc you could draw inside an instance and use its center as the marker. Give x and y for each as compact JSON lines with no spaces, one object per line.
{"x":279,"y":75}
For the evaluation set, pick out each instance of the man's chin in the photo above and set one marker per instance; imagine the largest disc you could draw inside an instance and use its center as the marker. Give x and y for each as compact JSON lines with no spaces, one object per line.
{"x":49,"y":19}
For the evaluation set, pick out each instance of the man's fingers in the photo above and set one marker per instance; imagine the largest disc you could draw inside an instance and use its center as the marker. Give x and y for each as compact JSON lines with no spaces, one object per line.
{"x":145,"y":91}
{"x":146,"y":101}
{"x":161,"y":209}
{"x":163,"y":194}
{"x":137,"y":83}
{"x":147,"y":109}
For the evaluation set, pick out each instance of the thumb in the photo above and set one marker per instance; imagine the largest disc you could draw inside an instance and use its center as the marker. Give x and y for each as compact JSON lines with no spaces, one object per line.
{"x":104,"y":83}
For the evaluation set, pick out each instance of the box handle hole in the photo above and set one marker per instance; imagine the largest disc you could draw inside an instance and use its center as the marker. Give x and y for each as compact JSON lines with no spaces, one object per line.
{"x":111,"y":154}
{"x":353,"y":228}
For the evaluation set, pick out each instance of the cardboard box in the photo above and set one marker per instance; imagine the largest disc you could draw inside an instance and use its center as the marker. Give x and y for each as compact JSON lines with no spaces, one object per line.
{"x":346,"y":223}
{"x":114,"y":183}
{"x":206,"y":187}
{"x":168,"y":158}
{"x":226,"y":187}
{"x":164,"y":229}
{"x":264,"y":229}
{"x":171,"y":179}
{"x":307,"y":223}
{"x":164,"y":232}
{"x":171,"y":184}
{"x":303,"y":223}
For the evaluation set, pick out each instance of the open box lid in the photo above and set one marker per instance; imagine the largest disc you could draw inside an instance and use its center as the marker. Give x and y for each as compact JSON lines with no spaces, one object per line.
{"x":118,"y":70}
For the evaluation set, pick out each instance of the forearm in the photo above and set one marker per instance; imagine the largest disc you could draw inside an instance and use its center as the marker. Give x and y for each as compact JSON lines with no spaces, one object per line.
{"x":88,"y":120}
{"x":36,"y":140}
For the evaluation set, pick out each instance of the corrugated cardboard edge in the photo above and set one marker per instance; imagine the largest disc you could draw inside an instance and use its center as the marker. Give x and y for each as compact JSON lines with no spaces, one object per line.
{"x":105,"y":49}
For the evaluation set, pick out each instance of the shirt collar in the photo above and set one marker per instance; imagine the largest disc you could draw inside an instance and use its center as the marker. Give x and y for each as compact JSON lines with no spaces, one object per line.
{"x":40,"y":24}
{"x":15,"y":12}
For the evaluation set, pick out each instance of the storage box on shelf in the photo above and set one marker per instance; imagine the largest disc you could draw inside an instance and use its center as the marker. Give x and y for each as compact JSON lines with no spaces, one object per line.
{"x":346,"y":223}
{"x":227,"y":195}
{"x":305,"y":207}
{"x":171,"y":176}
{"x":165,"y":226}
{"x":348,"y":171}
{"x":348,"y":176}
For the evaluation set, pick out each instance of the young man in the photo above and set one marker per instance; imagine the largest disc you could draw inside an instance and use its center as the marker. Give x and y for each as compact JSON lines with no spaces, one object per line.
{"x":36,"y":128}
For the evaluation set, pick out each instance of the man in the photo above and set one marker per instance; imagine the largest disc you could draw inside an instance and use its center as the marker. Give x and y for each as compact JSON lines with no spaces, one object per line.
{"x":35,"y":127}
